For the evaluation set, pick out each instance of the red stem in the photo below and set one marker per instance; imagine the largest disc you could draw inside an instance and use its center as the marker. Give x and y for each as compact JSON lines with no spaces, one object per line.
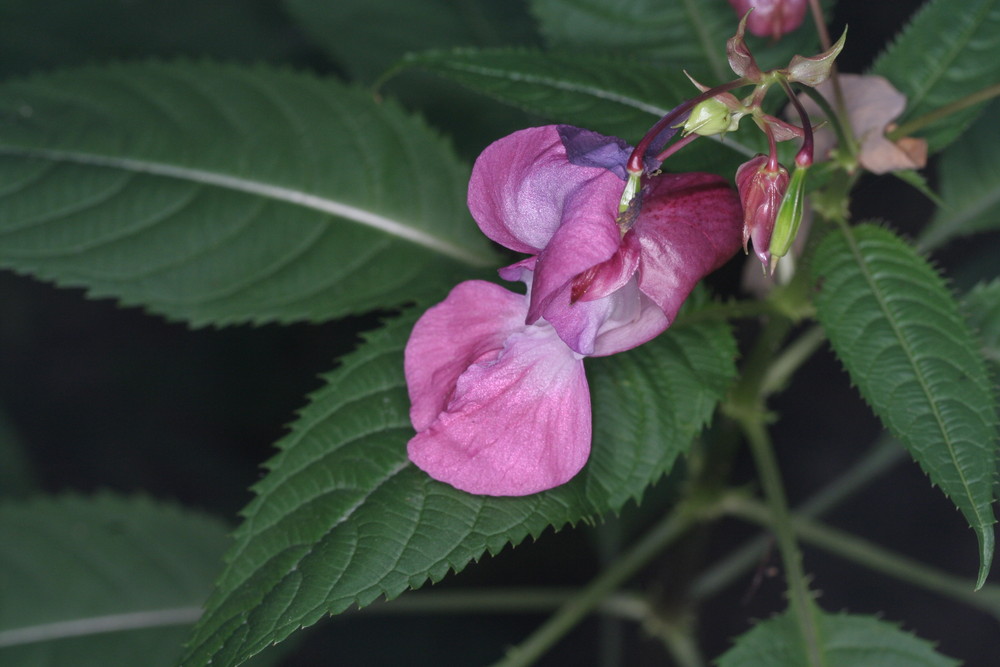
{"x":635,"y":164}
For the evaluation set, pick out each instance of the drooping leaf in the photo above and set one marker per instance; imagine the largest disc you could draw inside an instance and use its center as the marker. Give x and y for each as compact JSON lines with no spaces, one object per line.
{"x":982,"y":310}
{"x":969,"y":181}
{"x":222,"y":194}
{"x":847,"y":641}
{"x":900,"y":335}
{"x":945,"y":53}
{"x":684,"y":35}
{"x":102,"y":581}
{"x":367,"y":36}
{"x":603,"y":93}
{"x":342,"y":518}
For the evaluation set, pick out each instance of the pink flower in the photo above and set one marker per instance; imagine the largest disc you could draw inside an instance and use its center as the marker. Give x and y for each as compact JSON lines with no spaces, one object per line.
{"x":771,"y":18}
{"x":499,"y":397}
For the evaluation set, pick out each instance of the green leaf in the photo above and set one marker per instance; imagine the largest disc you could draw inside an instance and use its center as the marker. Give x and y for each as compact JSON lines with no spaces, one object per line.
{"x":221,"y":194}
{"x":342,"y":517}
{"x":982,"y":311}
{"x":602,"y":93}
{"x":969,"y":182}
{"x":900,"y":335}
{"x":847,"y":641}
{"x":367,"y":36}
{"x":102,"y":581}
{"x":683,"y":35}
{"x":944,"y":54}
{"x":43,"y":34}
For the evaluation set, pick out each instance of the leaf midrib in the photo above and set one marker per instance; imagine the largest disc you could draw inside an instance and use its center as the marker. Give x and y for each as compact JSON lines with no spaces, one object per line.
{"x":326,"y":205}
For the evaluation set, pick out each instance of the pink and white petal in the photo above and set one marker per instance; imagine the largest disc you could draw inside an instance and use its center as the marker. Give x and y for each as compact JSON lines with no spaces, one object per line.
{"x":520,"y":184}
{"x":589,"y":236}
{"x":633,"y":319}
{"x":690,"y":225}
{"x":471,"y":324}
{"x":515,"y":426}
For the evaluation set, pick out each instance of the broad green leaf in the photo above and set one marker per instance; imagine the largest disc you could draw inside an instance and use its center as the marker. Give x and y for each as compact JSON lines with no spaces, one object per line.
{"x":342,"y":518}
{"x":847,"y":641}
{"x":43,"y":34}
{"x":221,"y":194}
{"x":682,"y":34}
{"x":367,"y":36}
{"x":102,"y":581}
{"x":900,"y":335}
{"x":602,"y":93}
{"x":946,"y":53}
{"x":982,"y":310}
{"x":969,"y":182}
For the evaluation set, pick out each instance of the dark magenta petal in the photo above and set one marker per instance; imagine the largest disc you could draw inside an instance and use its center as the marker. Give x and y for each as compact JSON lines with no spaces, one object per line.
{"x":690,"y":225}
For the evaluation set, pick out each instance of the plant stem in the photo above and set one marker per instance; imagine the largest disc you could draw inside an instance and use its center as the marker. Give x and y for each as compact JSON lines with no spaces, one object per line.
{"x":796,"y":354}
{"x":876,"y":558}
{"x":798,"y":591}
{"x":878,"y":460}
{"x":577,"y":607}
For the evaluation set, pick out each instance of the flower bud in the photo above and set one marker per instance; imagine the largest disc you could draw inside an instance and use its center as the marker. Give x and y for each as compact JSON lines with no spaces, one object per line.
{"x":710,"y":117}
{"x":771,"y":18}
{"x":761,"y":192}
{"x":786,"y":225}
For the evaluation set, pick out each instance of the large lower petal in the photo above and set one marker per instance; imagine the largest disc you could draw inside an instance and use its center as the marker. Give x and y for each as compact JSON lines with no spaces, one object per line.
{"x":472,"y":323}
{"x":690,"y":225}
{"x":516,"y":424}
{"x":520,"y":184}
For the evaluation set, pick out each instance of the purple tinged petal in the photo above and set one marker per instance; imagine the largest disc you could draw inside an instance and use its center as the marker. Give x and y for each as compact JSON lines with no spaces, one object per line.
{"x":588,"y":236}
{"x":520,"y":186}
{"x":587,"y":148}
{"x":516,"y":420}
{"x":690,"y":225}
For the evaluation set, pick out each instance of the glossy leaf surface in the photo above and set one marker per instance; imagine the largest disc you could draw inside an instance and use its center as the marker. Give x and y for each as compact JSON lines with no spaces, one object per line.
{"x":220,"y":194}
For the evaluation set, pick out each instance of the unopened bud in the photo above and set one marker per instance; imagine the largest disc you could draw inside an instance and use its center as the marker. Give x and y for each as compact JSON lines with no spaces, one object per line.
{"x":786,"y":225}
{"x":814,"y":70}
{"x":761,"y":191}
{"x":710,"y":117}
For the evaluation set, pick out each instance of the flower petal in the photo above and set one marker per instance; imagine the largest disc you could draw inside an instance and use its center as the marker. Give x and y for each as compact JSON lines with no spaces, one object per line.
{"x":690,"y":225}
{"x":472,"y":323}
{"x":516,"y":424}
{"x":520,"y":184}
{"x":589,"y":236}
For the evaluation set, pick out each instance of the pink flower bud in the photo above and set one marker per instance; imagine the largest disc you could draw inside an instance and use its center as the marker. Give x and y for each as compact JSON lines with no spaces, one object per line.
{"x":761,"y":191}
{"x":771,"y":18}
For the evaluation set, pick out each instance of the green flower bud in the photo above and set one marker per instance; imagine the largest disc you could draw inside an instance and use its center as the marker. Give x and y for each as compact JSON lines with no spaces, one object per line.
{"x":786,"y":225}
{"x":710,"y":117}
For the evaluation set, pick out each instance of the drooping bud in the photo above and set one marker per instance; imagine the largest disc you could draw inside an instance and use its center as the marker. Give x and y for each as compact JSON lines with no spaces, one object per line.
{"x":762,"y":184}
{"x":771,"y":18}
{"x":710,"y":117}
{"x":786,"y":225}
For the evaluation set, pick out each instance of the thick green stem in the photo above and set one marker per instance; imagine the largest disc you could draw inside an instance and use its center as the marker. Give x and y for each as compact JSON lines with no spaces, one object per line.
{"x":799,"y":596}
{"x":876,"y":558}
{"x":652,"y":543}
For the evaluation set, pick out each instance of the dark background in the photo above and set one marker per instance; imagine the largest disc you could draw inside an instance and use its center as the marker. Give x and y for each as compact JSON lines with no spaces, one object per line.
{"x":102,"y":397}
